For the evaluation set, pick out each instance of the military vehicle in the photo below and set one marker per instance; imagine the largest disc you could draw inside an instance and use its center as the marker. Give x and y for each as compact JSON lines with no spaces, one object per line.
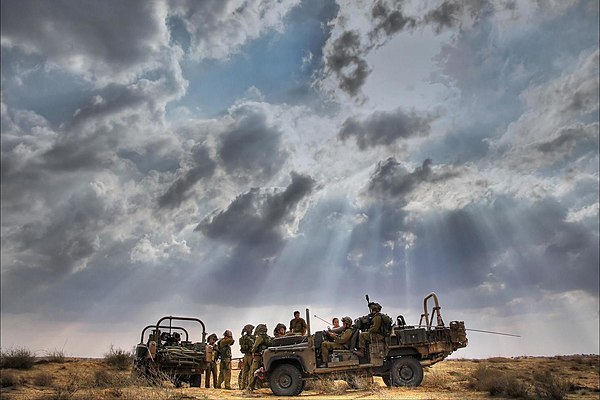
{"x":164,"y":354}
{"x":399,"y":358}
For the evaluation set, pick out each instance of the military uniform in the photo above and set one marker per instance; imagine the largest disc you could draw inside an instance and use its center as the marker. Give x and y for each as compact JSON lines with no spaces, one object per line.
{"x":298,"y":326}
{"x":246,"y":344}
{"x":375,"y":331}
{"x":212,"y":366}
{"x":225,"y":366}
{"x":340,"y":342}
{"x":261,"y":342}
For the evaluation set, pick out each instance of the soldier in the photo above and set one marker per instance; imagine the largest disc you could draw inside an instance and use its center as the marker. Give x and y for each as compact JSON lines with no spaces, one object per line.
{"x":298,"y":325}
{"x":336,"y":323}
{"x":279,"y":330}
{"x":340,"y":341}
{"x":261,"y":342}
{"x":374,"y":332}
{"x":224,"y":346}
{"x":212,"y":365}
{"x":246,"y":344}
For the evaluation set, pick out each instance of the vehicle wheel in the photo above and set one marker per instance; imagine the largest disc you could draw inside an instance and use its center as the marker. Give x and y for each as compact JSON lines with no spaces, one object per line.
{"x":406,"y":371}
{"x":286,"y":380}
{"x":195,"y":380}
{"x":387,"y":380}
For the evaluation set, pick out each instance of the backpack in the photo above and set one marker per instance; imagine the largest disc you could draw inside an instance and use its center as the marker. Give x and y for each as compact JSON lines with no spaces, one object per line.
{"x":386,"y":324}
{"x":246,"y":343}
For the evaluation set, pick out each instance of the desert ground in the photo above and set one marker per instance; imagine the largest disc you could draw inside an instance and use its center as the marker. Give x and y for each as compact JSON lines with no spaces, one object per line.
{"x":560,"y":377}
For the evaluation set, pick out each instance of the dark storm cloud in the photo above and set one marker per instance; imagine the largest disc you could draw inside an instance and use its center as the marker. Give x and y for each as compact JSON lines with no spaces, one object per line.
{"x":255,"y":218}
{"x":251,"y":146}
{"x":391,"y":180}
{"x":88,"y":36}
{"x":450,"y":14}
{"x":346,"y":61}
{"x":568,"y":138}
{"x":385,"y":128}
{"x":388,"y":20}
{"x":203,"y":167}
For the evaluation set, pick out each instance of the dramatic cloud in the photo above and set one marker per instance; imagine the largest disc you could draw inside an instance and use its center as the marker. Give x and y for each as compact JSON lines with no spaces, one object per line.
{"x":385,"y":128}
{"x":150,"y":149}
{"x":257,"y":217}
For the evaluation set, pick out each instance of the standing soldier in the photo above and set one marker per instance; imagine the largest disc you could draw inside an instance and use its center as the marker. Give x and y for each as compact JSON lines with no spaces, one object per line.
{"x":340,"y":341}
{"x":261,"y":342}
{"x":298,"y":325}
{"x":246,"y":344}
{"x":374,"y":332}
{"x":212,"y":365}
{"x":224,"y":346}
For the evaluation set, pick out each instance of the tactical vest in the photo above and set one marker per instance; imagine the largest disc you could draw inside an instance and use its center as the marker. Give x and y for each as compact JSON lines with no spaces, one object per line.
{"x":224,"y":350}
{"x":246,"y":343}
{"x":264,"y":344}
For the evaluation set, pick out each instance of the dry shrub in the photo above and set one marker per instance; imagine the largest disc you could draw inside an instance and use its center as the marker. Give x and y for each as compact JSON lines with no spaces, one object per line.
{"x":548,"y":385}
{"x":489,"y":380}
{"x":66,"y":390}
{"x":43,"y":379}
{"x":19,"y":358}
{"x":495,"y":360}
{"x":325,"y":386}
{"x":56,"y":356}
{"x":360,"y":382}
{"x":9,"y":378}
{"x":437,"y":380}
{"x":118,"y":358}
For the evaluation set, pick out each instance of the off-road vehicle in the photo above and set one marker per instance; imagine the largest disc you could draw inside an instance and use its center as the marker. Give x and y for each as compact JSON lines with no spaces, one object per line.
{"x":399,"y":358}
{"x":165,"y":354}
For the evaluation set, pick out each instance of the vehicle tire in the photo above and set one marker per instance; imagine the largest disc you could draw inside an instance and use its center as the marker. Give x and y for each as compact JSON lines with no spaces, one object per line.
{"x":195,"y":380}
{"x":387,"y":380}
{"x":406,"y":371}
{"x":286,"y":380}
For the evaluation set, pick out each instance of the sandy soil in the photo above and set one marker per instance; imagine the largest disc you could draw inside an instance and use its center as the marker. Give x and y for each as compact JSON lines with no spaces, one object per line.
{"x":450,"y":379}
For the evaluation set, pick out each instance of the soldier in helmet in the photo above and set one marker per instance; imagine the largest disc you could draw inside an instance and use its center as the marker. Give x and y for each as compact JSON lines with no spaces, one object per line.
{"x":224,"y":346}
{"x":340,"y":341}
{"x":375,"y":330}
{"x":246,"y":344}
{"x":279,"y":330}
{"x":298,"y":325}
{"x":261,"y":341}
{"x":212,"y":365}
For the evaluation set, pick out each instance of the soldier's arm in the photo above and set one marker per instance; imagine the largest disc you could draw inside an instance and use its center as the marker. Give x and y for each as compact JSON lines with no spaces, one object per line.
{"x":375,"y":328}
{"x":227,"y":341}
{"x":345,"y":338}
{"x":257,"y":343}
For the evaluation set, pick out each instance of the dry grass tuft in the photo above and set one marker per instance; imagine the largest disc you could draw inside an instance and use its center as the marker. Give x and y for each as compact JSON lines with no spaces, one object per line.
{"x":56,"y":356}
{"x":66,"y":390}
{"x":118,"y":358}
{"x":9,"y":378}
{"x":43,"y":379}
{"x":19,"y":358}
{"x":437,"y":380}
{"x":496,"y":382}
{"x":548,"y":385}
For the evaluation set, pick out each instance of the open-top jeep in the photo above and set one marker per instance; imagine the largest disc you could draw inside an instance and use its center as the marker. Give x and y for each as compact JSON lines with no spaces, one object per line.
{"x":399,"y":358}
{"x":164,"y":353}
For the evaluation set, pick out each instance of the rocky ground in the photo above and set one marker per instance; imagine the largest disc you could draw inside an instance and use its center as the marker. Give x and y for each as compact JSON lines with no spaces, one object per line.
{"x":568,"y":377}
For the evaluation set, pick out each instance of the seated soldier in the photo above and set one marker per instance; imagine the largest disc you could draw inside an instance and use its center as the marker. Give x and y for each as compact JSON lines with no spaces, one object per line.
{"x":375,"y":331}
{"x":298,"y":325}
{"x":340,"y":341}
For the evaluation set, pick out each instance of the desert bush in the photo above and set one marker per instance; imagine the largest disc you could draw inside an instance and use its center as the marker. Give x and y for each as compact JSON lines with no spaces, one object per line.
{"x":103,"y":378}
{"x":66,"y":390}
{"x":437,"y":380}
{"x":489,"y":380}
{"x":361,"y":382}
{"x":9,"y":378}
{"x":43,"y":379}
{"x":548,"y":385}
{"x":516,"y":388}
{"x":19,"y":358}
{"x":56,"y":356}
{"x":118,"y":358}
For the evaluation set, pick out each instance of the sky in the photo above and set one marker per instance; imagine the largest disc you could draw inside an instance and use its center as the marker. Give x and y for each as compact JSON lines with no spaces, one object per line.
{"x":237,"y":160}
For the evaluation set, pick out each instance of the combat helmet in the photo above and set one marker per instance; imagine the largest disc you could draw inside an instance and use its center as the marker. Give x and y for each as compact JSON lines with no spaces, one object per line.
{"x":279,"y":326}
{"x":260,"y":329}
{"x":212,"y":336}
{"x":375,"y":307}
{"x":248,"y":329}
{"x":347,"y":320}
